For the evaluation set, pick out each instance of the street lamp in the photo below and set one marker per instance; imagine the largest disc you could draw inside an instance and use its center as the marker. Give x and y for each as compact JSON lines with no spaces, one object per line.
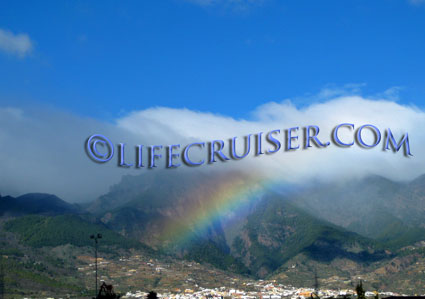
{"x":95,"y":237}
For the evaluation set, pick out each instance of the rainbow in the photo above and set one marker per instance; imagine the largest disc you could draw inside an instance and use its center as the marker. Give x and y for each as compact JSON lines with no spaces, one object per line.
{"x":218,"y":199}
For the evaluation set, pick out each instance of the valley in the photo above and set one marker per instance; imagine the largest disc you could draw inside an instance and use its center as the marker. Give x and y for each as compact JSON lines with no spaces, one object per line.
{"x":159,"y":234}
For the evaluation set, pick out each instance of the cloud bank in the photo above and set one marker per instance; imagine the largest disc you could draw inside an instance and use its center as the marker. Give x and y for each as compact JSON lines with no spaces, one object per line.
{"x":43,"y":151}
{"x":16,"y":44}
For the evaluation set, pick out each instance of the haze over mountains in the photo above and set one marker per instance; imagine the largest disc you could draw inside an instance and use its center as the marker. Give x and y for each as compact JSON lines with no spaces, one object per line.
{"x":374,"y":207}
{"x":364,"y":223}
{"x":271,"y":226}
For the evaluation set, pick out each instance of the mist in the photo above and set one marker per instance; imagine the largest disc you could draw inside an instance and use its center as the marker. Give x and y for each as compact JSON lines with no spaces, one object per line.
{"x":42,"y":150}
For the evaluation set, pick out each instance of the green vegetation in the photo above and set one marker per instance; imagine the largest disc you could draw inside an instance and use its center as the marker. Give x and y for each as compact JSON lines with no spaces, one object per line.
{"x":398,"y":235}
{"x":208,"y":252}
{"x":20,"y":274}
{"x":39,"y":231}
{"x":277,"y":231}
{"x":360,"y":291}
{"x":9,"y":251}
{"x":389,"y":230}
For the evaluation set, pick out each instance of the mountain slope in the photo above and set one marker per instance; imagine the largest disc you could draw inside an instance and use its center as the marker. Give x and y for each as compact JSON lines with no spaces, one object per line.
{"x":35,"y":203}
{"x":258,"y":239}
{"x":40,"y":231}
{"x":374,"y":207}
{"x":278,"y":231}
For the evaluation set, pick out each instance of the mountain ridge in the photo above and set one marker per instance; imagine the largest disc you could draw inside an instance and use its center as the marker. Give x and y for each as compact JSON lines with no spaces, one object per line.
{"x":270,"y":230}
{"x":36,"y":203}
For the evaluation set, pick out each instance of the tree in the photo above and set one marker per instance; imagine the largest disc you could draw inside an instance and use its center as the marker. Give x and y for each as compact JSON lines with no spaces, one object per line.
{"x":152,"y":295}
{"x":360,"y":291}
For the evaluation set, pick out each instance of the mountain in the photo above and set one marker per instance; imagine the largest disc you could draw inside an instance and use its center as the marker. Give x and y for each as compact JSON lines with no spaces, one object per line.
{"x":40,"y":231}
{"x":141,"y":206}
{"x":374,"y":207}
{"x":151,"y":206}
{"x":368,"y":228}
{"x":278,"y":231}
{"x":257,"y":239}
{"x":35,"y":203}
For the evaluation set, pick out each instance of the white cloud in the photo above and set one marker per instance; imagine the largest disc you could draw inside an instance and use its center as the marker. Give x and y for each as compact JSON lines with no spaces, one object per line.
{"x":16,"y":44}
{"x":44,"y":151}
{"x":182,"y":125}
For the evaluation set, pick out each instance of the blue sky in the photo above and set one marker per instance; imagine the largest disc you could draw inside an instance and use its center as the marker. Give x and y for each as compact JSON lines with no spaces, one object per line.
{"x":104,"y":59}
{"x":179,"y":71}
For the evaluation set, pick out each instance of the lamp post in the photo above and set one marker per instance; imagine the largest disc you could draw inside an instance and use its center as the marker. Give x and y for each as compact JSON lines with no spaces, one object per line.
{"x":95,"y":237}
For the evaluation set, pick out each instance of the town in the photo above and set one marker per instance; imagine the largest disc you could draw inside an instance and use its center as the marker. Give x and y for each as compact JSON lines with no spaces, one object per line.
{"x":186,"y":279}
